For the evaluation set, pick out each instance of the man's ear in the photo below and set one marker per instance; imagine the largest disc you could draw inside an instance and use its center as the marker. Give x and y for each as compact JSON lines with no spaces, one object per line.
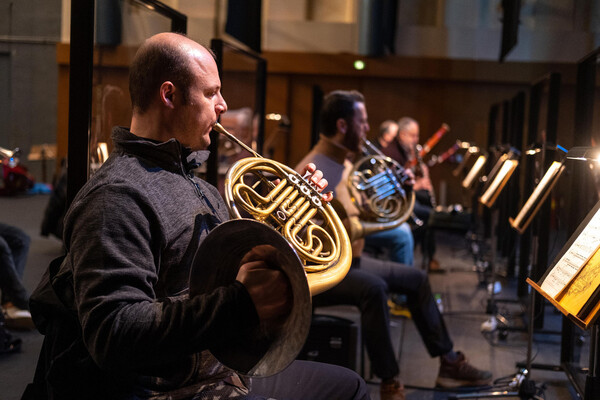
{"x":167,"y":94}
{"x":341,"y":125}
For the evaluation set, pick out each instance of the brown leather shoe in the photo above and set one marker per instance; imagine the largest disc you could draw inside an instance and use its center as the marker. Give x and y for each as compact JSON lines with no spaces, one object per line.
{"x":393,"y":390}
{"x":460,"y":373}
{"x":434,"y":266}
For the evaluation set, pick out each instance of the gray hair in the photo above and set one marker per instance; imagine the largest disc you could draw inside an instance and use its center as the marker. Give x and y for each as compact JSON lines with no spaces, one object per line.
{"x":404,"y":122}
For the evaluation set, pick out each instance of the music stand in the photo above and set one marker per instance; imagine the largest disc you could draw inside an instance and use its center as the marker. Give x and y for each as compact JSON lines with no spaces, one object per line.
{"x":537,"y":197}
{"x":474,"y":172}
{"x":522,"y":221}
{"x":572,"y":285}
{"x":572,"y":282}
{"x":470,"y":151}
{"x":494,"y":184}
{"x":501,"y":173}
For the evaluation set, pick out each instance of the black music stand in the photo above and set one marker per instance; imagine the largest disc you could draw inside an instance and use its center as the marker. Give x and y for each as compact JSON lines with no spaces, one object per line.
{"x":583,"y":195}
{"x":520,"y":223}
{"x":495,"y":183}
{"x":575,"y":269}
{"x":476,"y":169}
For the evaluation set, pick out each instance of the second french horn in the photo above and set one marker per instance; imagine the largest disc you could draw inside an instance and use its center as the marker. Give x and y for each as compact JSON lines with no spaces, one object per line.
{"x":377,"y":187}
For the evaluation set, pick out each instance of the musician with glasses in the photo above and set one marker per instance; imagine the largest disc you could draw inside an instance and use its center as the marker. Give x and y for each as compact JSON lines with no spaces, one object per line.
{"x":403,"y":150}
{"x":117,"y":318}
{"x":344,"y":124}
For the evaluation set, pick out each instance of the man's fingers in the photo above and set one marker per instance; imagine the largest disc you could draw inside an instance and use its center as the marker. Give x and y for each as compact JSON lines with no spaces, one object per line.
{"x":316,"y":177}
{"x":328,"y":196}
{"x":310,"y":168}
{"x":322,"y":184}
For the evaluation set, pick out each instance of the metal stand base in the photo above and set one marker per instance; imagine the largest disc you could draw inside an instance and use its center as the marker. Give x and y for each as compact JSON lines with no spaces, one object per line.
{"x":520,"y":387}
{"x":484,"y":395}
{"x":592,"y":388}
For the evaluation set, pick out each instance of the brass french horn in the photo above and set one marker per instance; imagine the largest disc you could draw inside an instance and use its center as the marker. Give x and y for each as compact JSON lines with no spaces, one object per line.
{"x":313,"y":250}
{"x":377,"y":187}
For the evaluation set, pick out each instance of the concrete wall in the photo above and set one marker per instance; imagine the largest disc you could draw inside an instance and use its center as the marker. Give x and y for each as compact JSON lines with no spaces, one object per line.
{"x":550,"y":30}
{"x":29,"y":31}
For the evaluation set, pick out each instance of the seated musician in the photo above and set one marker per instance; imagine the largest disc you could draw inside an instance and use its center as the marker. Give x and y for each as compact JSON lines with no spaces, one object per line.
{"x":403,"y":150}
{"x":125,"y":327}
{"x":344,"y":124}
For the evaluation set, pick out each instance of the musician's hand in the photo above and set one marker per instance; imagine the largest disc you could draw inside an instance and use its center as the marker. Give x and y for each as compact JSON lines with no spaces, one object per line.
{"x":268,"y":286}
{"x":410,"y":177}
{"x":315,"y":176}
{"x":423,"y":184}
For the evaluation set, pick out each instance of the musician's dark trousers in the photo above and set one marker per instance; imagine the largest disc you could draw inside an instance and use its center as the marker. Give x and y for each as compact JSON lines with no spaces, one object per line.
{"x":309,"y":380}
{"x":424,"y":235}
{"x":366,"y":286}
{"x":414,"y":283}
{"x":14,"y":247}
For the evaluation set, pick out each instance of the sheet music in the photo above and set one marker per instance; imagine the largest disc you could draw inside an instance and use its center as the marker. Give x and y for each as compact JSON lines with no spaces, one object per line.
{"x":474,"y":172}
{"x":581,"y":289}
{"x":582,"y":249}
{"x":497,"y":184}
{"x":538,"y":191}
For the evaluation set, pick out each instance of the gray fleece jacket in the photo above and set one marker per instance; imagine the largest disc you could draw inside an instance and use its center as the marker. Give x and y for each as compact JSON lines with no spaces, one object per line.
{"x":131,"y":234}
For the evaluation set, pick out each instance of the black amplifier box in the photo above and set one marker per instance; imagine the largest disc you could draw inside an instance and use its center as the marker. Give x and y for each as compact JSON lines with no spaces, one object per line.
{"x":331,"y":340}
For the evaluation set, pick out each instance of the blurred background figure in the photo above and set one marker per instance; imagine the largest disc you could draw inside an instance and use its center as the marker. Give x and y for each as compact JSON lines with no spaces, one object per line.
{"x":388,"y":131}
{"x":14,"y":247}
{"x":15,"y":177}
{"x":405,"y":151}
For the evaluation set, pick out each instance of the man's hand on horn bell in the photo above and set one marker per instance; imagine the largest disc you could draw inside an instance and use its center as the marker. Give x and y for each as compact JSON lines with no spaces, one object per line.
{"x":267,"y":285}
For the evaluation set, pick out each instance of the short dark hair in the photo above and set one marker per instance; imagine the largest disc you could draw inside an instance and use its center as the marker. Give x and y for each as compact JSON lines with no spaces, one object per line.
{"x":154,"y":63}
{"x":338,"y":104}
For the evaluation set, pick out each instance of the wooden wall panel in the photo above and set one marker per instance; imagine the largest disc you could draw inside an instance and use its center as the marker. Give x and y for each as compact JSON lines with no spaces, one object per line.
{"x":457,"y":92}
{"x":464,"y":105}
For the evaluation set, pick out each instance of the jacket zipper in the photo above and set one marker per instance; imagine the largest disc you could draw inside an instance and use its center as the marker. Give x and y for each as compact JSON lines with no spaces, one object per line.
{"x":199,"y":191}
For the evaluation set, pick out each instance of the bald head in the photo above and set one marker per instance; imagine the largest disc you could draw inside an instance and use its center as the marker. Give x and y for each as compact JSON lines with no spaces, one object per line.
{"x":175,"y":91}
{"x":163,"y":57}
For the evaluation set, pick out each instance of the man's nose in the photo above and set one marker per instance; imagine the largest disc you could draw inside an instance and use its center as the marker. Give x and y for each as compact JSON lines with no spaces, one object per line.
{"x":221,"y":106}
